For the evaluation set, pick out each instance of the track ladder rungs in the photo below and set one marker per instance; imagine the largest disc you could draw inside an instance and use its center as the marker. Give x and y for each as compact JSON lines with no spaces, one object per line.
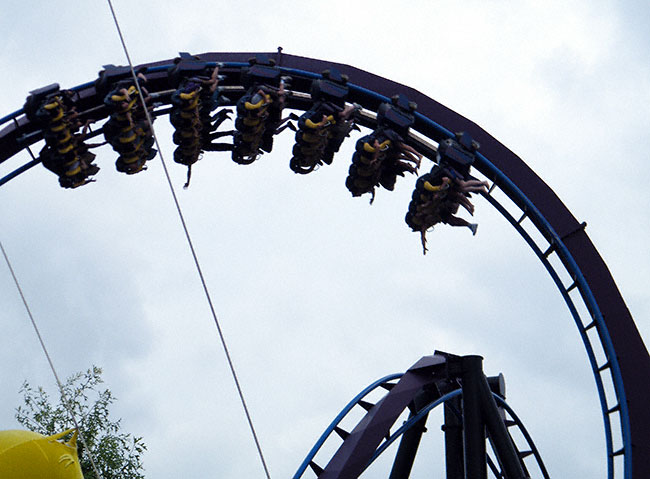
{"x":343,"y":434}
{"x":523,"y":217}
{"x":366,"y":405}
{"x":388,"y":386}
{"x":590,"y":325}
{"x":550,"y":249}
{"x":316,"y":468}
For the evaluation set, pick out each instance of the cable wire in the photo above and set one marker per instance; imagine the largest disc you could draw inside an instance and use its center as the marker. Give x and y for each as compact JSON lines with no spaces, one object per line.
{"x":191,"y":245}
{"x":64,"y":398}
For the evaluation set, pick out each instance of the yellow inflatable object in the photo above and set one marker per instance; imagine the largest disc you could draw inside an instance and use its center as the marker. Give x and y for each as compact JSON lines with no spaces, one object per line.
{"x":29,"y":455}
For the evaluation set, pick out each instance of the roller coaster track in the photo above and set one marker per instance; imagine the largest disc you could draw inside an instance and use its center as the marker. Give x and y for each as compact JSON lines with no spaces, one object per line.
{"x":615,"y":350}
{"x":381,"y":426}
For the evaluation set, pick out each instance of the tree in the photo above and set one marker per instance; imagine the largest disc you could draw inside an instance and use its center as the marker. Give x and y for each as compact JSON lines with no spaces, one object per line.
{"x":116,"y":454}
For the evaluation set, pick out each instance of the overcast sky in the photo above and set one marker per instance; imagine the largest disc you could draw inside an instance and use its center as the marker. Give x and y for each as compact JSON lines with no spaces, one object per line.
{"x":319,"y":293}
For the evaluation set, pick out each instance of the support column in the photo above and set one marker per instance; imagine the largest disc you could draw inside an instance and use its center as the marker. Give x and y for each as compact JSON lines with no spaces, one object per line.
{"x":453,"y":428}
{"x":473,"y":425}
{"x":408,"y":448}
